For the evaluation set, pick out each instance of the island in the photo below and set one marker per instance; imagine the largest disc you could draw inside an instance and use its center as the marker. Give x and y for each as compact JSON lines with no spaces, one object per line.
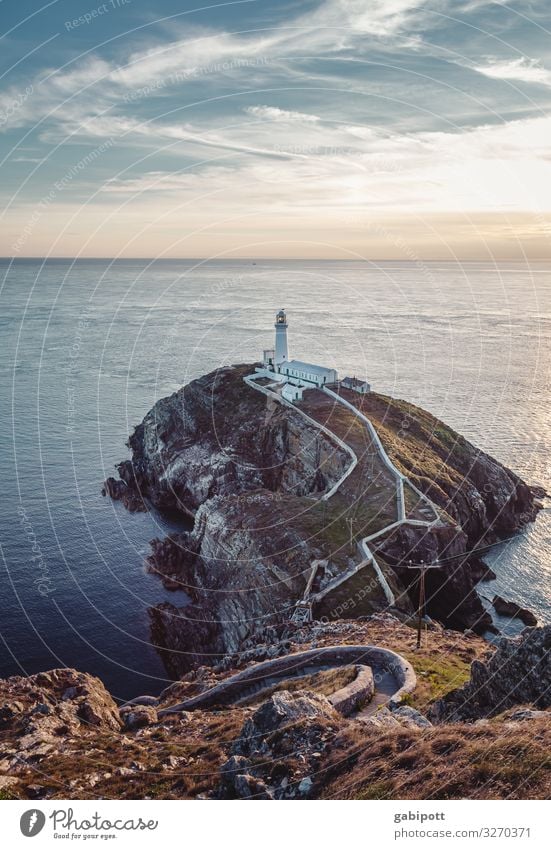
{"x":310,"y":499}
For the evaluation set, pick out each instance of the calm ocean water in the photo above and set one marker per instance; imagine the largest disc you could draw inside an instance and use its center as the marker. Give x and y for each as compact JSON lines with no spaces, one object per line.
{"x":87,"y":348}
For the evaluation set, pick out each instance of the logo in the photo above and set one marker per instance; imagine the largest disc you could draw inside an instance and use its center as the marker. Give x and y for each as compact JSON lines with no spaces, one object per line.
{"x":32,"y":822}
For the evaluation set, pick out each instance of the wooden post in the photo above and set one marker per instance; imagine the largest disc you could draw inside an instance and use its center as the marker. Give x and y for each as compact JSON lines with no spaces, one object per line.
{"x":350,"y":521}
{"x":421,"y":608}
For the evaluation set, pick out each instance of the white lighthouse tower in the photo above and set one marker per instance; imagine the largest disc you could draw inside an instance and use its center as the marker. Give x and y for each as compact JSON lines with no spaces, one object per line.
{"x":281,"y":352}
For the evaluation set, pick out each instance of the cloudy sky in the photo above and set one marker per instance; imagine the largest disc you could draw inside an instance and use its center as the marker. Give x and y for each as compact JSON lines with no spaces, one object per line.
{"x":391,"y":129}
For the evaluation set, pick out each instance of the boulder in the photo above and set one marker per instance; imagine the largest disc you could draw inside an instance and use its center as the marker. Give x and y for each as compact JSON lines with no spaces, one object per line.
{"x":249,"y":787}
{"x":282,"y":709}
{"x":514,"y":610}
{"x":56,"y":699}
{"x":238,"y":782}
{"x":139,"y":717}
{"x":408,"y":716}
{"x":279,"y":748}
{"x":305,"y":787}
{"x":526,"y":714}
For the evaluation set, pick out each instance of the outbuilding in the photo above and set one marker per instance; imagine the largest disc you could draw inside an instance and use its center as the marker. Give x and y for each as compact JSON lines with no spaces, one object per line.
{"x":361,"y":386}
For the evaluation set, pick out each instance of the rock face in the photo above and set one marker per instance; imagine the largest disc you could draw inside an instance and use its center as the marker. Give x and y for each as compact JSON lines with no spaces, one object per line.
{"x":130,"y":496}
{"x":484,"y":500}
{"x":40,"y":714}
{"x":451,"y":590}
{"x":281,"y":710}
{"x":215,"y":437}
{"x":518,"y":673}
{"x":62,"y":697}
{"x":247,"y":576}
{"x":249,"y":472}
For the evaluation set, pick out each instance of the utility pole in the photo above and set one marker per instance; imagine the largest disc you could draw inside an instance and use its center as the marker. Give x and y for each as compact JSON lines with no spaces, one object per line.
{"x":421,"y":609}
{"x":350,"y":521}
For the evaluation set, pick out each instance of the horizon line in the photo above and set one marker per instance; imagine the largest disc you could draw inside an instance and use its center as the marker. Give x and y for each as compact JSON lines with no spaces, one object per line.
{"x":256,"y":259}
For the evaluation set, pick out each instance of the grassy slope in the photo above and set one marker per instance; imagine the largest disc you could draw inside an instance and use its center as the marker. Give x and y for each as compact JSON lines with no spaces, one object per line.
{"x":494,"y":760}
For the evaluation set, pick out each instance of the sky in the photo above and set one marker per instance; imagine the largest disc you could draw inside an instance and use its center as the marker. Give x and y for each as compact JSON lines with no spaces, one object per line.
{"x":331,"y":129}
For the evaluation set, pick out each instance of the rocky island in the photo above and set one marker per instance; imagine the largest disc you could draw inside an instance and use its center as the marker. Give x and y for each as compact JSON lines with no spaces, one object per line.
{"x":252,"y":475}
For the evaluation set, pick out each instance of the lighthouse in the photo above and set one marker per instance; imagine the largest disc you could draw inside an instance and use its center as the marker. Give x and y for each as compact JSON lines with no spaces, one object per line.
{"x":293,"y":376}
{"x":281,"y":352}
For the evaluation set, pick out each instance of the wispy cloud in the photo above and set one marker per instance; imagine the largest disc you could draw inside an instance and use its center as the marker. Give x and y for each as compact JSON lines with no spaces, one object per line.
{"x":95,"y":84}
{"x":274,"y":113}
{"x":518,"y":70}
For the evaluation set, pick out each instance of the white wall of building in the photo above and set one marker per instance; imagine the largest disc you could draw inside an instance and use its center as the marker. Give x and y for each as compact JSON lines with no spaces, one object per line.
{"x":292,"y":392}
{"x":295,"y":370}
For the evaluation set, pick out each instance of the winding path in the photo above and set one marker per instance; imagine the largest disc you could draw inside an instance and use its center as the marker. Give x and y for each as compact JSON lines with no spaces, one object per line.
{"x":399,"y":477}
{"x":393,"y":676}
{"x":268,"y":391}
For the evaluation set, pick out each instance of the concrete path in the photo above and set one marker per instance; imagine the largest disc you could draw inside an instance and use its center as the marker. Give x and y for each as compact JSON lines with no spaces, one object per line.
{"x":250,"y":380}
{"x":393,"y":675}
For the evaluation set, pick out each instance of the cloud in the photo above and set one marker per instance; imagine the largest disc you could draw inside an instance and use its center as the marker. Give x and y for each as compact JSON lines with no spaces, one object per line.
{"x":93,"y":84}
{"x":519,"y":70}
{"x":378,"y":17}
{"x":481,"y":170}
{"x":273,"y":113}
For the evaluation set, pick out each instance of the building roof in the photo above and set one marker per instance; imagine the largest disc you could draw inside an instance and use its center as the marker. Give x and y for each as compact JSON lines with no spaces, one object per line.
{"x":354,"y":381}
{"x":310,"y":368}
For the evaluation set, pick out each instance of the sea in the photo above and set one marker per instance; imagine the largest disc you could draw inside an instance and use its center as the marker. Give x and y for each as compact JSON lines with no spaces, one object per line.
{"x":88,"y":346}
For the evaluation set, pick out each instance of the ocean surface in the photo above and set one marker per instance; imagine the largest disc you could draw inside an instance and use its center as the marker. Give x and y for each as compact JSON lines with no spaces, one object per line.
{"x":87,"y":347}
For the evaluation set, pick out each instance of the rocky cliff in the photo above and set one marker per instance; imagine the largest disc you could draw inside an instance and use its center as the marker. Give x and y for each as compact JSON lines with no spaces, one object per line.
{"x":216,"y":437}
{"x":250,"y":473}
{"x":518,"y":672}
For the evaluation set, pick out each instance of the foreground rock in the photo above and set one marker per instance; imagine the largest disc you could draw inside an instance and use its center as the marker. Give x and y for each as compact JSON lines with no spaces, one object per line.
{"x":54,"y":700}
{"x":287,"y":728}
